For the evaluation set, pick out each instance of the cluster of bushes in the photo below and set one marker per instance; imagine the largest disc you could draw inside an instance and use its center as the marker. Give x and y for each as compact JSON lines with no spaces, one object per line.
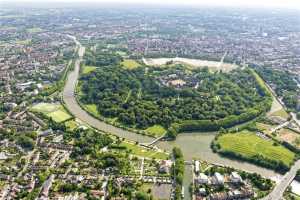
{"x":178,"y":169}
{"x":258,"y":181}
{"x":89,"y":142}
{"x":26,"y":140}
{"x":297,"y":177}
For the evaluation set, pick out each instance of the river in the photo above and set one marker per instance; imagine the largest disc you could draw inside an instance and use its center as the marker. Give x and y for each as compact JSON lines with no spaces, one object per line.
{"x":193,"y":145}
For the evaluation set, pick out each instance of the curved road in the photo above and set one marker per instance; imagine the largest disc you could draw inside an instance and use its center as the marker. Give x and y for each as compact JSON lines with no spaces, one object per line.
{"x":76,"y":110}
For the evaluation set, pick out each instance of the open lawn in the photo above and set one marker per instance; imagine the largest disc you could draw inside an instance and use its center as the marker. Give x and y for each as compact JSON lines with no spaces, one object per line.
{"x":156,"y":130}
{"x":281,"y":113}
{"x":88,"y":69}
{"x":71,"y":125}
{"x":55,"y":111}
{"x":140,"y":151}
{"x":92,"y":108}
{"x":46,"y":107}
{"x":276,"y":108}
{"x":130,"y":64}
{"x":59,"y":116}
{"x":265,"y":128}
{"x":248,"y":144}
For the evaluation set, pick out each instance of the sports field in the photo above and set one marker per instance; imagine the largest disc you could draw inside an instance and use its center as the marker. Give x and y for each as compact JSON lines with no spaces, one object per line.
{"x":55,"y":111}
{"x":248,"y":144}
{"x":130,"y":64}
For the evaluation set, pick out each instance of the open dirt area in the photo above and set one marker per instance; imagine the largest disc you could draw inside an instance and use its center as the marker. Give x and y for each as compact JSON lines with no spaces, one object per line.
{"x":289,"y":136}
{"x":226,"y":67}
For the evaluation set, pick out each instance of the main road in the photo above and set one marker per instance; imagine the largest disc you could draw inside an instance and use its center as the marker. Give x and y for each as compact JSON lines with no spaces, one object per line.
{"x":73,"y":106}
{"x":277,"y":193}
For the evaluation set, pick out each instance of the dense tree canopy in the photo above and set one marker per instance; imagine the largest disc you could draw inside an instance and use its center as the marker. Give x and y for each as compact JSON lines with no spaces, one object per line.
{"x":283,"y":82}
{"x":141,"y":97}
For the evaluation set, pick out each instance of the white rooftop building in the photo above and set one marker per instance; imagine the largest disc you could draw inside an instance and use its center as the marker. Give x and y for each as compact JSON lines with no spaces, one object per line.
{"x":202,"y":179}
{"x":218,"y":179}
{"x":197,"y":166}
{"x":235,"y":177}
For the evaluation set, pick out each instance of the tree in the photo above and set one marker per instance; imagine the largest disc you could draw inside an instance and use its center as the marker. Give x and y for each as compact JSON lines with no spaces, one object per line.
{"x":142,"y":196}
{"x":25,"y":142}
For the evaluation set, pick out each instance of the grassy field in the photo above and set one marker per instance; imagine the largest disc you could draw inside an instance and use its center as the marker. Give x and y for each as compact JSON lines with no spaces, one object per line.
{"x":140,"y":151}
{"x":276,"y":108}
{"x":92,"y":108}
{"x":265,"y":128}
{"x":281,"y":113}
{"x":59,"y":116}
{"x":156,"y":130}
{"x":46,"y":107}
{"x":55,"y":111}
{"x":71,"y":125}
{"x":130,"y":64}
{"x":88,"y":69}
{"x":249,"y":144}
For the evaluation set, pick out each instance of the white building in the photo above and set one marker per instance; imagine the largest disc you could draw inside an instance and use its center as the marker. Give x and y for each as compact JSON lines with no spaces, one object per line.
{"x":3,"y":156}
{"x":202,"y":179}
{"x":197,"y":166}
{"x":235,"y":177}
{"x":218,"y":179}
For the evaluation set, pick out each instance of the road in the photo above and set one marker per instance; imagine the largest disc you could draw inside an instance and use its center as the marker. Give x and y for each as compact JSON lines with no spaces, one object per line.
{"x":277,"y":193}
{"x":295,"y":119}
{"x":73,"y":106}
{"x":279,"y":126}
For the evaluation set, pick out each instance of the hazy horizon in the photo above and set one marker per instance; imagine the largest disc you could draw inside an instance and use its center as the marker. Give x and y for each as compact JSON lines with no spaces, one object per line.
{"x":289,"y":4}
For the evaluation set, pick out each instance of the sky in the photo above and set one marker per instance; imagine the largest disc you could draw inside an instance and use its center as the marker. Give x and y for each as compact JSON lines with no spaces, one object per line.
{"x":295,"y":4}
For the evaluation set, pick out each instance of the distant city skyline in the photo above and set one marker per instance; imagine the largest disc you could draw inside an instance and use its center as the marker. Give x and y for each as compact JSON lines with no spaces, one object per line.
{"x":295,"y":4}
